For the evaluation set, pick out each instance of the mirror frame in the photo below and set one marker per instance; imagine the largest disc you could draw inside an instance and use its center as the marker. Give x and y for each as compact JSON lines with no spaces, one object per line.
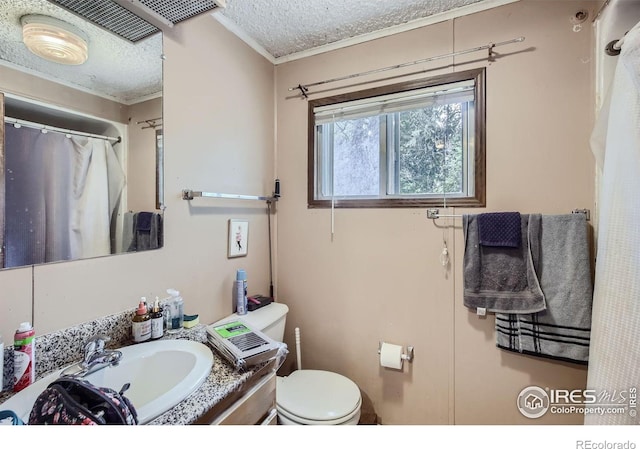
{"x":156,"y":202}
{"x":2,"y":181}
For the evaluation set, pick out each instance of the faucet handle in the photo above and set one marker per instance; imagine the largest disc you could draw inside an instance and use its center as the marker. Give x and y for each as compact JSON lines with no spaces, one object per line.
{"x":95,"y":345}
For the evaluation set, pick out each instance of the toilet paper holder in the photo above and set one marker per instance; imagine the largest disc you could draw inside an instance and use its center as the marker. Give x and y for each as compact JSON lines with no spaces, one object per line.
{"x":407,"y":355}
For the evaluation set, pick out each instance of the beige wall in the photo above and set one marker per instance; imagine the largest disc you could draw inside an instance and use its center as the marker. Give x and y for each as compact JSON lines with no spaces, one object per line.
{"x":380,"y":278}
{"x":218,"y":120}
{"x":28,"y":86}
{"x":141,"y":155}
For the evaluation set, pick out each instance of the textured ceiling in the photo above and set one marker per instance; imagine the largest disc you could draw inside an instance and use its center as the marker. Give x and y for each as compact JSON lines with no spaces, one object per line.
{"x":124,"y":71}
{"x":116,"y":68}
{"x":286,"y":27}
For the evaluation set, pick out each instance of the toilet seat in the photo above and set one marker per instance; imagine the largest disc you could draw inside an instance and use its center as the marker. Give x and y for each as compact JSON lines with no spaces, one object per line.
{"x":318,"y":397}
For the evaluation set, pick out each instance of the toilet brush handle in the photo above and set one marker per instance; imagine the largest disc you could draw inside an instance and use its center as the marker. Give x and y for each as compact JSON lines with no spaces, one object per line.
{"x":298,"y":355}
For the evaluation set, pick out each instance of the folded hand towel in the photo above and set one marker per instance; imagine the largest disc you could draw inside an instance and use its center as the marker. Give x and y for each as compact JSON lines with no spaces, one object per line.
{"x":500,"y":229}
{"x":562,"y":331}
{"x":147,"y":232}
{"x":502,"y":279}
{"x":143,"y":221}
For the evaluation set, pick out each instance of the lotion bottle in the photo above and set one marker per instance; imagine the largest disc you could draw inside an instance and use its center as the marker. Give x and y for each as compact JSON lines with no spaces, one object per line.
{"x":141,"y":324}
{"x":157,"y":321}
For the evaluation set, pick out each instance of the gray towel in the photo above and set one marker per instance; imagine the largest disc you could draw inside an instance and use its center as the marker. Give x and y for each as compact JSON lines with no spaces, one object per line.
{"x":563,"y":330}
{"x":127,"y":231}
{"x":143,"y":239}
{"x":502,"y":279}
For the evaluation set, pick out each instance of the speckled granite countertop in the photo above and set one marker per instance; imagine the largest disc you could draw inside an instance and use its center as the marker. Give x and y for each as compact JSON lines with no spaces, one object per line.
{"x":222,"y":381}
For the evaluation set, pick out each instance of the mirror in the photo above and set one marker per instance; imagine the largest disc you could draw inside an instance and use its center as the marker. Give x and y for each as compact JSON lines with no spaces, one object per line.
{"x":81,"y":170}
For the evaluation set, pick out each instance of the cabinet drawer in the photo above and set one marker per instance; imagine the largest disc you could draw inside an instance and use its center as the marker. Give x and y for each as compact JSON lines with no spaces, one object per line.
{"x":252,"y":407}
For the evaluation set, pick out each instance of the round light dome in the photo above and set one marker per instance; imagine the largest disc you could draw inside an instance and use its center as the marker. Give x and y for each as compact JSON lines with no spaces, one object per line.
{"x":54,"y":40}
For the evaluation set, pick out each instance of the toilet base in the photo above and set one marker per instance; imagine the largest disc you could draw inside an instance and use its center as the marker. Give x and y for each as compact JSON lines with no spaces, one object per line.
{"x":283,"y":420}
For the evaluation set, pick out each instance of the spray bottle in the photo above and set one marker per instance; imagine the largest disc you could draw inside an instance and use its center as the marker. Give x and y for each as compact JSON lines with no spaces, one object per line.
{"x":240,"y":291}
{"x":24,"y":356}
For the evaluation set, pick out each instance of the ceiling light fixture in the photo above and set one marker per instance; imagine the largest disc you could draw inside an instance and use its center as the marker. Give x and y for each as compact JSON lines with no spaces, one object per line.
{"x":54,"y":40}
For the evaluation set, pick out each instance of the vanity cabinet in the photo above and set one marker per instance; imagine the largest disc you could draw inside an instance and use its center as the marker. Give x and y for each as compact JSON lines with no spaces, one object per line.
{"x":253,"y":404}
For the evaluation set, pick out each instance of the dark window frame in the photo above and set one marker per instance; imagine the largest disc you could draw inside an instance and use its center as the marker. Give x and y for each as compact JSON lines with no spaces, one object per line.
{"x":479,"y":195}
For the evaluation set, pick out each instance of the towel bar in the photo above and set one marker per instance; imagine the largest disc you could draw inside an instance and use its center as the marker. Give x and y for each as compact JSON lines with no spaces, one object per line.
{"x":191,"y":194}
{"x":435,"y":213}
{"x":188,"y":194}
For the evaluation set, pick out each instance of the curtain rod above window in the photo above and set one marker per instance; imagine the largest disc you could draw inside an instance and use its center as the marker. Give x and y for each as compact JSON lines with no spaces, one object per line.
{"x":46,"y":128}
{"x":304,"y":88}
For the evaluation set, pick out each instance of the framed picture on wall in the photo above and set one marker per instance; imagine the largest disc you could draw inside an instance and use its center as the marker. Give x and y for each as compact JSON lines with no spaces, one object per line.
{"x":238,"y":237}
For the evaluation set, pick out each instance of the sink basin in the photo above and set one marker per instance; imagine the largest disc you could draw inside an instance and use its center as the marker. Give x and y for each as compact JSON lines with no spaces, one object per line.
{"x":161,"y":373}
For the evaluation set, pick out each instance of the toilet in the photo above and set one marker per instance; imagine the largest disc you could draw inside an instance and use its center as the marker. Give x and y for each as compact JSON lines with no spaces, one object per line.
{"x":306,"y":397}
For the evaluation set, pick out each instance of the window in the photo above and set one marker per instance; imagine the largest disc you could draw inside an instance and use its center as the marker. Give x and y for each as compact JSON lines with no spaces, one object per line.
{"x":404,"y":145}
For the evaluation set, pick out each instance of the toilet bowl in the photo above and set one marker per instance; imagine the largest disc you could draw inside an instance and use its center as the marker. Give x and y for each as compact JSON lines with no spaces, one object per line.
{"x":306,"y":397}
{"x":315,"y":397}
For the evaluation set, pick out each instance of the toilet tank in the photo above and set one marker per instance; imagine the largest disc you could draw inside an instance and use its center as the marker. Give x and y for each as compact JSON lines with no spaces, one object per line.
{"x":269,"y":319}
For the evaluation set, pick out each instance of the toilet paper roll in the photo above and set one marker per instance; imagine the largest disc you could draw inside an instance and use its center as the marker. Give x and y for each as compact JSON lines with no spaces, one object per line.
{"x":391,"y":356}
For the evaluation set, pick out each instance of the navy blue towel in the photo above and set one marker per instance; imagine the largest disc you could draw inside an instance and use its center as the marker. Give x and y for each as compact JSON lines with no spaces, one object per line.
{"x":500,"y":229}
{"x":143,"y":221}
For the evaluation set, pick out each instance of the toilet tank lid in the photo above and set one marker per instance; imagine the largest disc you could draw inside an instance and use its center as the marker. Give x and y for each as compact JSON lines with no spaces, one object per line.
{"x":265,"y":316}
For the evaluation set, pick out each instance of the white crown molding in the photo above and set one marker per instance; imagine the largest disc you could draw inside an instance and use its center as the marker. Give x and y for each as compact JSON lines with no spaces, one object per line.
{"x":412,"y":25}
{"x":418,"y":23}
{"x":75,"y":86}
{"x":240,"y":33}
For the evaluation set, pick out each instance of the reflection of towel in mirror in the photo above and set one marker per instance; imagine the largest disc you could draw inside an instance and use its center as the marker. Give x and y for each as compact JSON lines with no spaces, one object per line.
{"x":143,"y":221}
{"x":146,"y":231}
{"x":127,"y":231}
{"x":563,"y":330}
{"x":502,"y":279}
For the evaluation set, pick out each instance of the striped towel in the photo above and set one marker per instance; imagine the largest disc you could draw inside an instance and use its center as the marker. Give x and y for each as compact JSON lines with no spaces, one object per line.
{"x":563,"y":330}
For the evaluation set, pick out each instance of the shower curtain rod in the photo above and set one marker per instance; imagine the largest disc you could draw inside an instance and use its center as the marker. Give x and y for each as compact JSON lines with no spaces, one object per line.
{"x":304,"y":88}
{"x":47,"y":128}
{"x":151,"y":123}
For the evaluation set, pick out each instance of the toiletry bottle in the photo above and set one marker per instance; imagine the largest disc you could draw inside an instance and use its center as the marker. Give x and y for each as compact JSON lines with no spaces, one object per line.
{"x":176,"y":305}
{"x":157,"y":321}
{"x":24,"y":356}
{"x":241,"y":292}
{"x":141,"y":324}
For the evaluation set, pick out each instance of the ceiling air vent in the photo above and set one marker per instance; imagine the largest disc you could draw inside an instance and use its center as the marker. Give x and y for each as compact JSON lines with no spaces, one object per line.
{"x":110,"y":16}
{"x":135,"y":20}
{"x":176,"y":10}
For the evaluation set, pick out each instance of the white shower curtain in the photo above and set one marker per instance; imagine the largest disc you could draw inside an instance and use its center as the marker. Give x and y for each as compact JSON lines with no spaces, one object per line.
{"x":97,"y":183}
{"x":614,"y":358}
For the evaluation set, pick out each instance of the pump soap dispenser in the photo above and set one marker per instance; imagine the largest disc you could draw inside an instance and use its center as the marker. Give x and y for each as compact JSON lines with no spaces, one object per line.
{"x":176,"y":311}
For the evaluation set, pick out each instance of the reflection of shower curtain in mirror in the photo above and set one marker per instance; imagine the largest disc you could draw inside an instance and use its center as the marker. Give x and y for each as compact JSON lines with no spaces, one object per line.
{"x":60,"y":195}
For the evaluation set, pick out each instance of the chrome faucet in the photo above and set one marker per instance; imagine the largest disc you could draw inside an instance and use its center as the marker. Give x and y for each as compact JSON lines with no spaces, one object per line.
{"x":96,"y":357}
